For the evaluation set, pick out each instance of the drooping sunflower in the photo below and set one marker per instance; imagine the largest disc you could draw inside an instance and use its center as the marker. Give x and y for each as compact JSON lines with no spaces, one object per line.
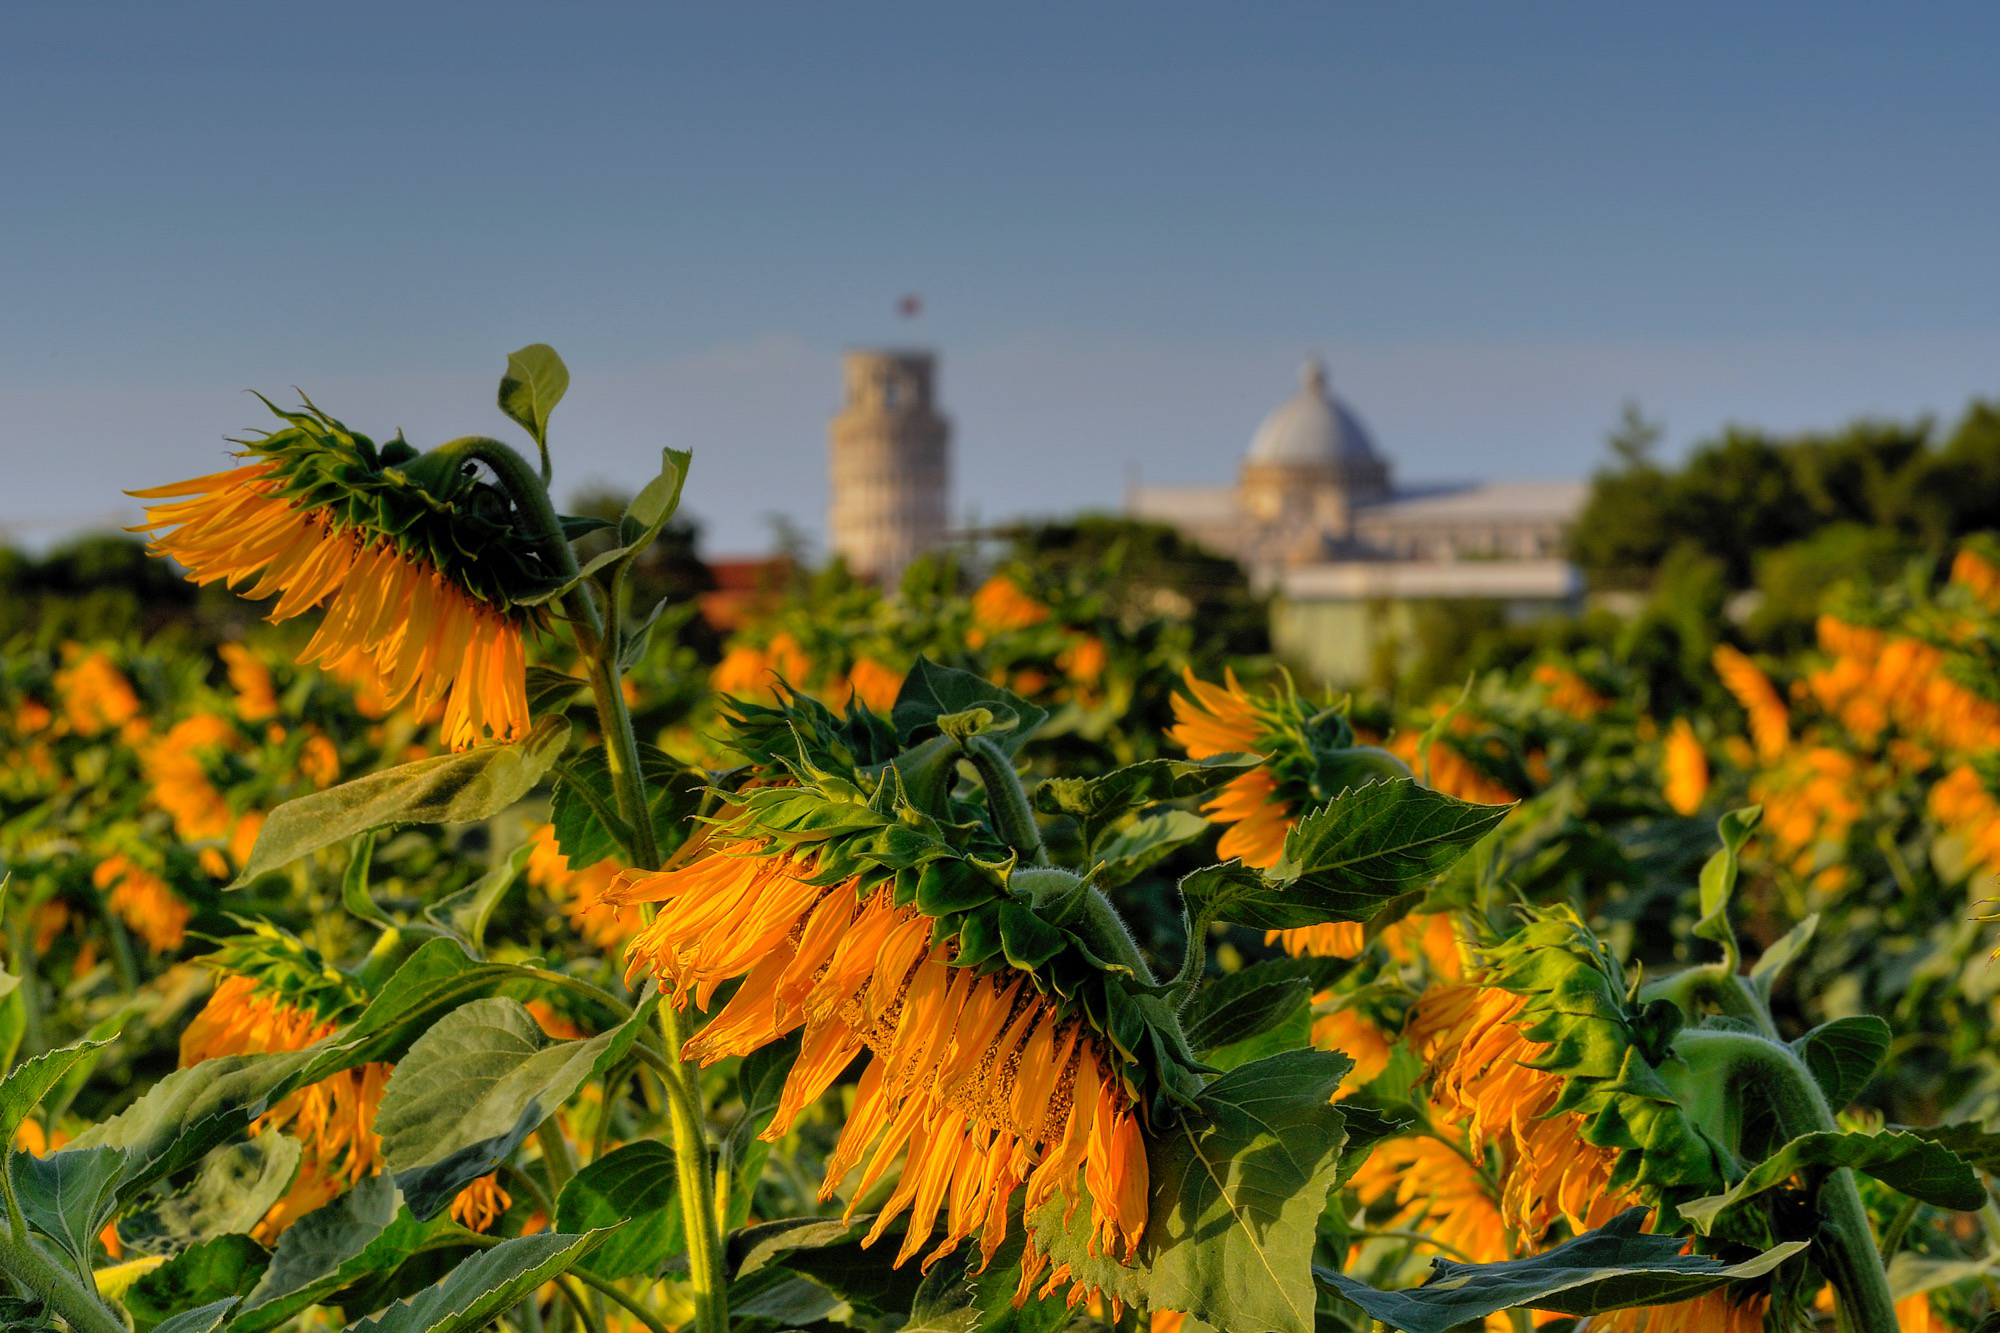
{"x":96,"y":697}
{"x":256,"y":696}
{"x":580,"y":893}
{"x":1436,"y":1189}
{"x":1484,"y":1079}
{"x":1214,"y":720}
{"x":417,"y":560}
{"x":288,"y":1008}
{"x":981,"y":1082}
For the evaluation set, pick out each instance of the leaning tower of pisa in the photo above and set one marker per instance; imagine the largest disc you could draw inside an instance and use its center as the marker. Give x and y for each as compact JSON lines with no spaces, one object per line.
{"x":889,"y":464}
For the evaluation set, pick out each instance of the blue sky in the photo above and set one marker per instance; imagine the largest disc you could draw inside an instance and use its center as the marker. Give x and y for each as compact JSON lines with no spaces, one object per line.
{"x":1128,"y":224}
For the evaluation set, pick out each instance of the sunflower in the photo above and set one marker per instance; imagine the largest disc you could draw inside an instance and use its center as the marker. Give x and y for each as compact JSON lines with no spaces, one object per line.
{"x":1000,"y":606}
{"x":1687,"y":769}
{"x":1483,"y":1078}
{"x":579,"y":892}
{"x":142,"y":900}
{"x":481,"y":1204}
{"x":875,"y":684}
{"x":1770,"y":723}
{"x":95,"y":695}
{"x":173,"y":764}
{"x":1211,"y":720}
{"x":1719,"y":1311}
{"x":256,"y":696}
{"x":415,"y":560}
{"x":981,"y":1084}
{"x":1436,"y":1189}
{"x":333,"y":1119}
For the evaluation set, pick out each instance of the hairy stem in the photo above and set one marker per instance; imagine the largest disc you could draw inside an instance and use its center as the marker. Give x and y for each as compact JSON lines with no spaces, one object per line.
{"x":22,"y":1259}
{"x":1845,"y":1246}
{"x":1013,"y":818}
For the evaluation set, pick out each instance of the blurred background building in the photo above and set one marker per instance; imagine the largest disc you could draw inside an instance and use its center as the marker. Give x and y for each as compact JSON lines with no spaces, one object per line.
{"x":1317,"y":520}
{"x":889,"y":464}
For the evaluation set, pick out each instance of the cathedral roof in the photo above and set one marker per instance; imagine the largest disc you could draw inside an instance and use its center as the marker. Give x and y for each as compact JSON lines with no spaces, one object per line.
{"x":1311,"y":428}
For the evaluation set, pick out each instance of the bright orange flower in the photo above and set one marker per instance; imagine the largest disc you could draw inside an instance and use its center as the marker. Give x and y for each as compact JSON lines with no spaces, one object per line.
{"x":95,"y":695}
{"x":142,"y":900}
{"x":333,"y":1119}
{"x":481,"y":1204}
{"x":580,"y":892}
{"x":174,"y":765}
{"x":1770,"y":723}
{"x":1438,"y":1191}
{"x":980,"y":1084}
{"x":1449,"y":771}
{"x":392,"y":619}
{"x":1570,"y":693}
{"x":1481,"y":1077}
{"x":1351,"y":1033}
{"x":319,"y":761}
{"x":256,"y":697}
{"x":1720,"y":1311}
{"x":1224,"y":720}
{"x":1687,"y":769}
{"x":1001,"y":605}
{"x":874,"y":684}
{"x":1972,"y":570}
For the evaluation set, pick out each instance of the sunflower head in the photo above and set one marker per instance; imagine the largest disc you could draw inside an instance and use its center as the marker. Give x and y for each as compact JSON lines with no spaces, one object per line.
{"x":429,"y":568}
{"x":1310,"y":755}
{"x":1612,"y":1051}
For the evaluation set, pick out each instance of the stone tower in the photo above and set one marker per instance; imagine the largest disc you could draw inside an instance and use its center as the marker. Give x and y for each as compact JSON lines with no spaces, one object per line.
{"x":888,"y":463}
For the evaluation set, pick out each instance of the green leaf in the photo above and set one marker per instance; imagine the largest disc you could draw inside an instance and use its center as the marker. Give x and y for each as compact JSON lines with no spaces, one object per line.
{"x":656,"y":501}
{"x":1613,"y":1268}
{"x":476,"y":1291}
{"x":1718,"y":877}
{"x":13,"y":1019}
{"x":1780,"y":956}
{"x":201,"y":1319}
{"x":1924,"y":1170}
{"x":1099,"y":801}
{"x":466,"y":912}
{"x":633,"y":1188}
{"x":68,"y":1196}
{"x":584,"y":802}
{"x":1844,"y":1054}
{"x":548,"y":687}
{"x":535,"y":382}
{"x":1244,"y":1004}
{"x":23,"y":1089}
{"x":191,"y":1111}
{"x":1971,"y":1140}
{"x":1237,"y":1191}
{"x":354,"y":894}
{"x":473,"y":1087}
{"x":364,"y":1232}
{"x":206,"y":1276}
{"x":931,"y":691}
{"x":1346,"y":860}
{"x":449,"y":789}
{"x":437,"y":978}
{"x":752,"y":1248}
{"x":1143,"y":844}
{"x":234,"y":1187}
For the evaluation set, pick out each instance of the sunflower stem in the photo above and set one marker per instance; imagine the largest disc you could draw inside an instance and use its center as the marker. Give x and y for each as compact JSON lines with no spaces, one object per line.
{"x":24,"y":1260}
{"x":598,"y":643}
{"x":1844,"y":1247}
{"x":1013,"y":817}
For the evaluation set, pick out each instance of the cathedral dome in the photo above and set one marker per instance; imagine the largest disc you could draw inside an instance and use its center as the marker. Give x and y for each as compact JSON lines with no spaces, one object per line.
{"x":1311,"y":429}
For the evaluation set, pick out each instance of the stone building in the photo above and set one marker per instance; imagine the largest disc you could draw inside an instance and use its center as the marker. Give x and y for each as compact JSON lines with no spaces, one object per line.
{"x":889,"y":464}
{"x":1316,"y":518}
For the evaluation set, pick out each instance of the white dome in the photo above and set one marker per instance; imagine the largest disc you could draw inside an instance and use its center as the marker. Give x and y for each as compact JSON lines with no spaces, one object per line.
{"x":1311,"y":429}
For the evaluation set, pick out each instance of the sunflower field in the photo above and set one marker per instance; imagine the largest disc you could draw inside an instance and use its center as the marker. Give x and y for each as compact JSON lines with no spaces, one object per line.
{"x":456,"y":950}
